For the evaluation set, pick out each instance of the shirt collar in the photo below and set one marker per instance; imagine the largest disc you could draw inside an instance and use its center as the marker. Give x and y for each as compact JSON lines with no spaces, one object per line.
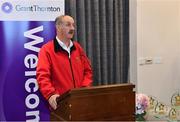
{"x":63,"y":45}
{"x":57,"y":46}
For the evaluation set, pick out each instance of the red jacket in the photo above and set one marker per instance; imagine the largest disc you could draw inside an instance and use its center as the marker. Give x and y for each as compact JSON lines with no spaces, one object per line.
{"x":57,"y":73}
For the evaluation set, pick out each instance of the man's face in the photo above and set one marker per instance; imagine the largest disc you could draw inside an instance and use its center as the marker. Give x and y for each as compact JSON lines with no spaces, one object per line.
{"x":67,"y":27}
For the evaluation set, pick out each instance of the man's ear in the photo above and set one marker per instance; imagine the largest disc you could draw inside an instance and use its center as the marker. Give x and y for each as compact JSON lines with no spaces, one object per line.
{"x":58,"y":28}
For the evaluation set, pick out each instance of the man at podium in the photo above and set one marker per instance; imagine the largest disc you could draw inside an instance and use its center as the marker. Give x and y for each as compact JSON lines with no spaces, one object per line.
{"x":62,"y":63}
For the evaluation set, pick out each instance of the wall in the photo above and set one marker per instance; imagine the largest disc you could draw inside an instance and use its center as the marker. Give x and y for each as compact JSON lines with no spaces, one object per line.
{"x":158,"y":47}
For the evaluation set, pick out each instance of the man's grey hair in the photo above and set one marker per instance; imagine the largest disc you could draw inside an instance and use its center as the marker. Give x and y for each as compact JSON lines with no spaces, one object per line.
{"x":59,"y":19}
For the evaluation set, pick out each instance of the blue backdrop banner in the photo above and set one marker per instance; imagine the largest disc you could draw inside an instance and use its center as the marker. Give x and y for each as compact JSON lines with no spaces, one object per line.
{"x":24,"y":27}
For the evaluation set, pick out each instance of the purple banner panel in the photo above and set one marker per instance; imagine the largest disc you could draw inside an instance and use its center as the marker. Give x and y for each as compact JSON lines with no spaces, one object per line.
{"x":24,"y":27}
{"x":21,"y":41}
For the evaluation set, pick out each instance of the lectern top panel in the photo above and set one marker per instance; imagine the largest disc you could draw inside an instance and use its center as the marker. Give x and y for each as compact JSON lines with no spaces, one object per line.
{"x":124,"y":87}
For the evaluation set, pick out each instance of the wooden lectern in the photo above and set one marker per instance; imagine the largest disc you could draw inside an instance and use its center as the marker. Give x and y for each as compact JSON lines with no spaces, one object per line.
{"x":106,"y":102}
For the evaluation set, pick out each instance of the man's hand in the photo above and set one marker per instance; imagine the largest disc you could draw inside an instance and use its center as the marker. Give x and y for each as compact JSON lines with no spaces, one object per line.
{"x":52,"y":101}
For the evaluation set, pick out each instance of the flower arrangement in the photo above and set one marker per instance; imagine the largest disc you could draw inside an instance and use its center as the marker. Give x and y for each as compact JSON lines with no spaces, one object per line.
{"x":142,"y":102}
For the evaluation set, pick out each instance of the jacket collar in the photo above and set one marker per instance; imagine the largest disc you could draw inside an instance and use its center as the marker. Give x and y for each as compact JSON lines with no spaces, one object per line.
{"x":57,"y":47}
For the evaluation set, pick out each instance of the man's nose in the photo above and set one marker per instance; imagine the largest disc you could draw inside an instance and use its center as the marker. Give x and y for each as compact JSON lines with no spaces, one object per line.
{"x":72,"y":27}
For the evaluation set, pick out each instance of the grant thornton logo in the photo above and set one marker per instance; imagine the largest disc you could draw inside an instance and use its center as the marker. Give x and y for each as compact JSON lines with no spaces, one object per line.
{"x":7,"y":7}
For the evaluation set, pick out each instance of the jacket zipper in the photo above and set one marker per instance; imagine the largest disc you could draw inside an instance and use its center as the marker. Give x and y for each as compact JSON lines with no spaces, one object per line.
{"x":72,"y":73}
